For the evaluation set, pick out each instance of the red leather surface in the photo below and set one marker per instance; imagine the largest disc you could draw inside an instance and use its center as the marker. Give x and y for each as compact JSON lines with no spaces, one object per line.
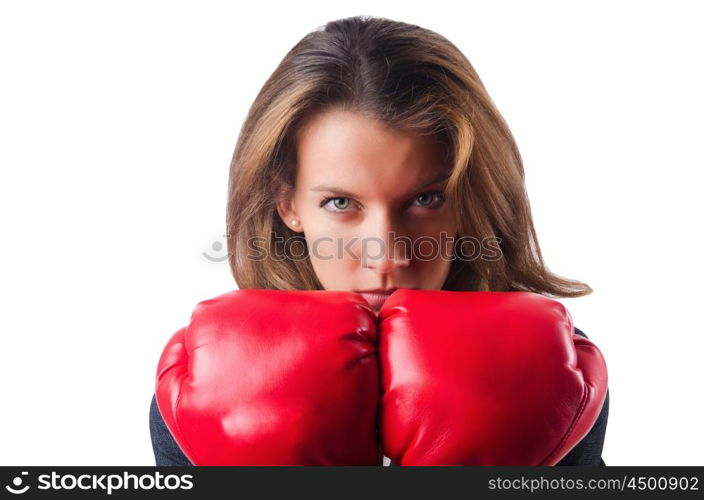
{"x":272,"y":377}
{"x":484,"y":378}
{"x":263,"y":377}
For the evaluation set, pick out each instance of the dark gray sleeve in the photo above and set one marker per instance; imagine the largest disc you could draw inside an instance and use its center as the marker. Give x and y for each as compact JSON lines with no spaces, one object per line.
{"x":166,"y":451}
{"x":588,"y":450}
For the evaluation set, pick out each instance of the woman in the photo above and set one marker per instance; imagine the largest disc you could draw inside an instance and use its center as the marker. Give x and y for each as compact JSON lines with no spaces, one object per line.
{"x":370,"y":138}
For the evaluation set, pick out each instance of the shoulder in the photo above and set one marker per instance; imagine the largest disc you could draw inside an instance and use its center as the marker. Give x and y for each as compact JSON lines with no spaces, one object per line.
{"x":580,"y":332}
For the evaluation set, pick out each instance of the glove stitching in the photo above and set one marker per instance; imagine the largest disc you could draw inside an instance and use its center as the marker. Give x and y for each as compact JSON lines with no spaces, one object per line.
{"x":178,"y":401}
{"x":582,"y":407}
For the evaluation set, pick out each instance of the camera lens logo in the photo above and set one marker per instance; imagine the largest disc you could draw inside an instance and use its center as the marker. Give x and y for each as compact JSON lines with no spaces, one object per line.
{"x":17,"y":483}
{"x":216,"y":246}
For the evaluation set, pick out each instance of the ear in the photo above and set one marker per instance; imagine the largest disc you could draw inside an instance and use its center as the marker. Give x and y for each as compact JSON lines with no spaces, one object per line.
{"x":286,"y":208}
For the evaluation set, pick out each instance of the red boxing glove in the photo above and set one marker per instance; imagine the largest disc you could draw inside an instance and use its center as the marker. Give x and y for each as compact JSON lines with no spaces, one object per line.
{"x":273,"y":377}
{"x":484,"y":378}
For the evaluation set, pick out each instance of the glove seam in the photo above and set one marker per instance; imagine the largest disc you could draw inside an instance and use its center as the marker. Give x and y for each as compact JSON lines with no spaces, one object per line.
{"x":178,"y":402}
{"x":569,"y":432}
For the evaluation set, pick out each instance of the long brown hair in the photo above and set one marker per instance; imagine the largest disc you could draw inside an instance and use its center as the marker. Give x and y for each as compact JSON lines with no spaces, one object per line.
{"x":409,"y":78}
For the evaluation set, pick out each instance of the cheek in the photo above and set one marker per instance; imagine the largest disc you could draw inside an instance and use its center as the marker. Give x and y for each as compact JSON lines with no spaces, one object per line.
{"x":332,"y":253}
{"x":431,"y":274}
{"x":433,"y":246}
{"x":434,"y":241}
{"x":334,"y":270}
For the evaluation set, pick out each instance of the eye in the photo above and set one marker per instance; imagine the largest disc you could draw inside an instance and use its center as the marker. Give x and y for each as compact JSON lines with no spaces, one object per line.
{"x":426,"y":199}
{"x":340,"y":204}
{"x":429,"y":199}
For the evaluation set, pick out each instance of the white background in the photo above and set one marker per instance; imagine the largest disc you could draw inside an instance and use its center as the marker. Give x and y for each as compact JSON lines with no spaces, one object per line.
{"x":117,"y":124}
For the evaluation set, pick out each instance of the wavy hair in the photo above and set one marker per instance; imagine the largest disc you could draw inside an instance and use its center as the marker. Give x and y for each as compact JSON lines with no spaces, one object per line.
{"x":407,"y":77}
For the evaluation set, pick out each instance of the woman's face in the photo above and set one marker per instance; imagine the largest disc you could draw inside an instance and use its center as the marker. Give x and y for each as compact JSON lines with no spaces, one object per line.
{"x":369,"y":201}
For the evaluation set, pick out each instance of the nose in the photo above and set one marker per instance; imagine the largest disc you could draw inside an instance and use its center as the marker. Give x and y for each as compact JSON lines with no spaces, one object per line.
{"x":384,"y":247}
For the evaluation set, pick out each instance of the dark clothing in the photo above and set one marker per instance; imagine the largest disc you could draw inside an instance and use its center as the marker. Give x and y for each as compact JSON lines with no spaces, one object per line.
{"x":166,"y":451}
{"x":587,"y":451}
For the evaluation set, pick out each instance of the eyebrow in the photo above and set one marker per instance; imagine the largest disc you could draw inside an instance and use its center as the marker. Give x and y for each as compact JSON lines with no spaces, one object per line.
{"x":424,"y":184}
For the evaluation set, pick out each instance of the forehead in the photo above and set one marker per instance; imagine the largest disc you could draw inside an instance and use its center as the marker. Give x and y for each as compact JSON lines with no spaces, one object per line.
{"x":349,"y":150}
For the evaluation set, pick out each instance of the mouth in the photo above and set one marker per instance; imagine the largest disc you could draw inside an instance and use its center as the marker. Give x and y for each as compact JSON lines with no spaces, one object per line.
{"x":376,"y":298}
